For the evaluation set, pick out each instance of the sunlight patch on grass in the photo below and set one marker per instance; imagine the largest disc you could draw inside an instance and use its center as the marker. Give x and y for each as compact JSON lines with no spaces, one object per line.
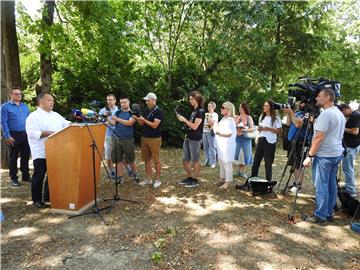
{"x":338,"y":234}
{"x":97,"y":229}
{"x":7,"y":200}
{"x":22,"y":231}
{"x":220,"y":239}
{"x":168,"y":201}
{"x":226,"y":262}
{"x":53,"y":220}
{"x":42,"y":239}
{"x":265,"y":266}
{"x":53,"y":261}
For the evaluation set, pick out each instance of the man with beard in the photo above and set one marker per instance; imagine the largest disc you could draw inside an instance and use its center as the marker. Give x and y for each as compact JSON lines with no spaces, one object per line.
{"x":325,"y":155}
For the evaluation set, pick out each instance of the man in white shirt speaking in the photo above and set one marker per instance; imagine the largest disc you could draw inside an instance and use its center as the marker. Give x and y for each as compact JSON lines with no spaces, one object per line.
{"x":39,"y":125}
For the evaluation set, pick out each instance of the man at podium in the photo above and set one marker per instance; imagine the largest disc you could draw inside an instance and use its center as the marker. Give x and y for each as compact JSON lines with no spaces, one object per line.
{"x":39,"y":125}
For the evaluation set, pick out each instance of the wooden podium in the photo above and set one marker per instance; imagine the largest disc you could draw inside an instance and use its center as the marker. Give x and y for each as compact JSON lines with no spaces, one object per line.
{"x":70,"y":167}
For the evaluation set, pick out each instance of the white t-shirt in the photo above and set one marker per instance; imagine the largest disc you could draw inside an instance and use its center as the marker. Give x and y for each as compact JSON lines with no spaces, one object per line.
{"x":266,"y":122}
{"x":226,"y":146}
{"x":39,"y":121}
{"x":214,"y":116}
{"x":332,"y":122}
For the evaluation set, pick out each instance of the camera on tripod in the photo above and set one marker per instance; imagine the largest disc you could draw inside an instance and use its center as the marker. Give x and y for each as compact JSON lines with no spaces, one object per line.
{"x":308,"y":89}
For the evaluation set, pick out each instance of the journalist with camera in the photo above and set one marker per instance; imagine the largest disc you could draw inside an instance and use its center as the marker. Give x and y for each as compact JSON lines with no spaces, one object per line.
{"x":298,"y":140}
{"x":151,"y":138}
{"x":123,"y":147}
{"x":325,"y":154}
{"x":109,"y":111}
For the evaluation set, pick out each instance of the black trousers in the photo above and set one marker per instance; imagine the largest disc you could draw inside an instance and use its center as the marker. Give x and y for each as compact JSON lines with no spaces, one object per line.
{"x":267,"y":151}
{"x":21,"y":145}
{"x":38,"y":180}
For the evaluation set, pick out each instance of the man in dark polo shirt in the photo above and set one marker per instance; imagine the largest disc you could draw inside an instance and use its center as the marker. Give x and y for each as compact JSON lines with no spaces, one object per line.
{"x":192,"y":142}
{"x":352,"y":142}
{"x":151,"y":139}
{"x":123,"y":140}
{"x":13,"y":117}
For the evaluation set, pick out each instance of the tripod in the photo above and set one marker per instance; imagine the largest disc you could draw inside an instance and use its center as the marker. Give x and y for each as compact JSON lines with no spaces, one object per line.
{"x":116,"y":197}
{"x":305,"y":147}
{"x":95,"y":210}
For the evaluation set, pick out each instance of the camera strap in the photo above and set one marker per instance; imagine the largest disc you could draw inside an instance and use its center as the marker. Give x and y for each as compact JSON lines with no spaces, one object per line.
{"x":151,"y":112}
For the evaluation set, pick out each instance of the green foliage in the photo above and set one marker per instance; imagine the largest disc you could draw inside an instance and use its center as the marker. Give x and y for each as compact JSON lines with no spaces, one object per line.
{"x":229,"y":50}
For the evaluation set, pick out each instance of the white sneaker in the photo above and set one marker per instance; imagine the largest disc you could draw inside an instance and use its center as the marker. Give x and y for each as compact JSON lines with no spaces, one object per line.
{"x":157,"y":183}
{"x":212,"y":166}
{"x":145,"y":182}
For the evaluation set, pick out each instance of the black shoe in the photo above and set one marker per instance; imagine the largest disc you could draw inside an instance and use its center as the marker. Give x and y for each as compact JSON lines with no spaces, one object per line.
{"x":136,"y":178}
{"x":330,"y":219}
{"x":15,"y":183}
{"x":119,"y":180}
{"x":192,"y":183}
{"x":27,"y":179}
{"x":185,"y":181}
{"x":46,"y":200}
{"x":40,"y":205}
{"x":314,"y":220}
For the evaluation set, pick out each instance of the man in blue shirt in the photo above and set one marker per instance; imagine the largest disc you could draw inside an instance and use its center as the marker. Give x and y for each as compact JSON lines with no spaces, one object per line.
{"x":13,"y":117}
{"x":123,"y":147}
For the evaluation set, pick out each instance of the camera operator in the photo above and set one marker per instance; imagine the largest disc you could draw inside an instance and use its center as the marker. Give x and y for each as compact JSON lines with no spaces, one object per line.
{"x":123,"y":140}
{"x":325,"y":155}
{"x":192,"y":142}
{"x":296,"y":136}
{"x":109,"y":111}
{"x":352,"y":142}
{"x":151,"y":139}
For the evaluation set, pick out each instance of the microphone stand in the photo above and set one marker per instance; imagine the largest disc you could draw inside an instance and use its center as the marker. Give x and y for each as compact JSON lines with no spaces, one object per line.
{"x":95,"y":209}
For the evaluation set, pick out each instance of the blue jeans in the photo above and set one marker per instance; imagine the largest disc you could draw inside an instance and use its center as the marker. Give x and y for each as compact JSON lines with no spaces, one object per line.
{"x":348,"y":169}
{"x":245,"y":145}
{"x":324,"y":176}
{"x":209,"y":148}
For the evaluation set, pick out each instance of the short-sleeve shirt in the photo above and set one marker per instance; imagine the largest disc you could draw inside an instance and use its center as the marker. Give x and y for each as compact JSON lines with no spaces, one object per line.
{"x":332,"y":122}
{"x":266,"y":122}
{"x":351,"y":140}
{"x":151,"y":115}
{"x":123,"y":132}
{"x":214,"y":116}
{"x":196,"y":135}
{"x":109,"y":129}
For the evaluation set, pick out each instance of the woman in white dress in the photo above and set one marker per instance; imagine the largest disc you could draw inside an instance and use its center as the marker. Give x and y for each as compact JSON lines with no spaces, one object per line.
{"x":225,"y":136}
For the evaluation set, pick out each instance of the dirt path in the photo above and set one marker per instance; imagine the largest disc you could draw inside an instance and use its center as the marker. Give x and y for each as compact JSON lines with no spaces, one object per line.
{"x":175,"y":228}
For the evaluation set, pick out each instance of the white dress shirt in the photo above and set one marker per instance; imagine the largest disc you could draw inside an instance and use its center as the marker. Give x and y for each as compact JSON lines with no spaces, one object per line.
{"x":39,"y":121}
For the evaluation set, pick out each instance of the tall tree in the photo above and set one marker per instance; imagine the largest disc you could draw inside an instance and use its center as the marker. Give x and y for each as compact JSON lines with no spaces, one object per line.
{"x":46,"y":68}
{"x":10,"y":62}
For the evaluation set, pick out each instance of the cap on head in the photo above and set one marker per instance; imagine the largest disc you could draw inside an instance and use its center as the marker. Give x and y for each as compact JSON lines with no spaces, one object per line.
{"x":150,"y":96}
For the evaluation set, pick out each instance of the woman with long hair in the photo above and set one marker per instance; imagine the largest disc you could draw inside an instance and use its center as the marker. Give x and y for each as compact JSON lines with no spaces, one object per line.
{"x":244,"y":124}
{"x":269,"y":127}
{"x":225,"y":134}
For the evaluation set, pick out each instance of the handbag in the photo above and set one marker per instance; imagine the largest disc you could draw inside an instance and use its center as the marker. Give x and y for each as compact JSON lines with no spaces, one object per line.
{"x":251,"y":134}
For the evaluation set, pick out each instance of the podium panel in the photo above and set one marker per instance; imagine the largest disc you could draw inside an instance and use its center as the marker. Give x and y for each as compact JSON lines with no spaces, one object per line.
{"x":70,"y":167}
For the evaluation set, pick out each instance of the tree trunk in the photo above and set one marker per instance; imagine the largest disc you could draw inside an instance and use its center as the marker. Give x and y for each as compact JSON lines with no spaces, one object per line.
{"x":45,"y":56}
{"x":10,"y":62}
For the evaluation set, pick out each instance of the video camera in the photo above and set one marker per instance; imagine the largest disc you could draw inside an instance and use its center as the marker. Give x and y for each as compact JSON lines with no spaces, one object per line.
{"x":308,"y":89}
{"x":136,"y":110}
